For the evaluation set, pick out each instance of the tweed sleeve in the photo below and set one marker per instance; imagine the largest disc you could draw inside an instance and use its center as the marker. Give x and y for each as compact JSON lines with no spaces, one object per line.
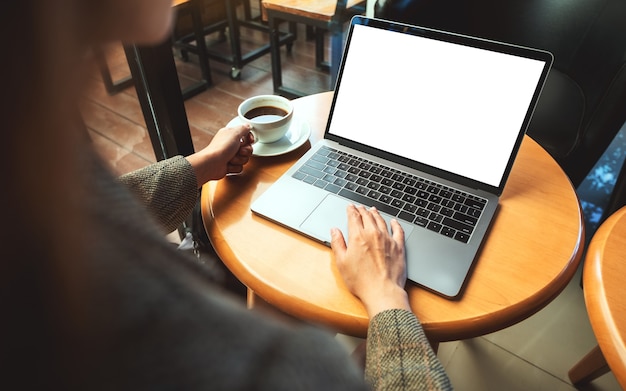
{"x":399,"y":356}
{"x":167,"y":188}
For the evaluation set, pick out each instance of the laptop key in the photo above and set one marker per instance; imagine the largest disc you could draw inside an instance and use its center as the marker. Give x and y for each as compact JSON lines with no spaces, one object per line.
{"x":299,"y":175}
{"x":320,"y":183}
{"x":445,"y":194}
{"x":458,"y":198}
{"x":434,"y":226}
{"x":406,"y":216}
{"x":340,"y":182}
{"x":449,"y":232}
{"x":465,"y":218}
{"x":320,"y":158}
{"x":340,"y":174}
{"x":410,"y":190}
{"x":311,"y":171}
{"x":351,"y":177}
{"x":362,"y":190}
{"x":362,"y":181}
{"x":474,"y":203}
{"x":434,"y":207}
{"x":423,"y":212}
{"x":421,"y":221}
{"x":373,"y":194}
{"x":398,"y":186}
{"x":409,"y":181}
{"x":369,"y":202}
{"x":332,"y":188}
{"x":376,"y":178}
{"x":447,"y":212}
{"x":459,"y":226}
{"x":421,"y":202}
{"x":386,"y":199}
{"x":397,"y":203}
{"x":329,"y":178}
{"x":317,"y":165}
{"x":434,"y":198}
{"x":462,"y":237}
{"x":351,"y":186}
{"x":437,"y":218}
{"x":410,"y":208}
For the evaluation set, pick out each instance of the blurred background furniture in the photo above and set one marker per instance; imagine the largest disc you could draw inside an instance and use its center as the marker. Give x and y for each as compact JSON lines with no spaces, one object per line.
{"x":583,"y":104}
{"x":605,"y":299}
{"x":321,"y":15}
{"x":190,"y":9}
{"x":224,"y":17}
{"x":111,"y":86}
{"x":193,"y":9}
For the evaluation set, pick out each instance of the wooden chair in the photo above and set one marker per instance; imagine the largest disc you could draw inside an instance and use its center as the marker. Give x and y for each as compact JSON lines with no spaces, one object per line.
{"x":322,"y":15}
{"x":603,"y":276}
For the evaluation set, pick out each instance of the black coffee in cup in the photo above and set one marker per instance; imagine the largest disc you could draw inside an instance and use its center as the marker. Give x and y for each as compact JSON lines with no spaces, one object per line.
{"x":265,"y":114}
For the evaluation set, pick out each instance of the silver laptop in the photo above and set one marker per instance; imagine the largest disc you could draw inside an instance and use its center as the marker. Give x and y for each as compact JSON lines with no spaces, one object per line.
{"x":424,"y":125}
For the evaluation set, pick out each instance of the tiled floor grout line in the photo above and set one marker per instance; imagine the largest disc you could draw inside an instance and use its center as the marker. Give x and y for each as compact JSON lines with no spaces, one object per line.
{"x":528,"y":362}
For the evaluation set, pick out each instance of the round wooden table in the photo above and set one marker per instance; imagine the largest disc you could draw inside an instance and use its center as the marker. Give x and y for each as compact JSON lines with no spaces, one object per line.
{"x":530,"y":254}
{"x":604,"y":279}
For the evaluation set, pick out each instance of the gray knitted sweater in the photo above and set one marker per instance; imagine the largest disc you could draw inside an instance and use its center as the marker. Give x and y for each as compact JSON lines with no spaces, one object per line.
{"x":160,"y":323}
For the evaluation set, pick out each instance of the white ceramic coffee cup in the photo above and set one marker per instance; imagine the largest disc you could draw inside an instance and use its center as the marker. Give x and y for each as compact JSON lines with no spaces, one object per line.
{"x":268,"y":115}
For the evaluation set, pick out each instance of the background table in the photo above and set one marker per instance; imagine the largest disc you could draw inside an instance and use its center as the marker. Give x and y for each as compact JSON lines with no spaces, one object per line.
{"x":604,"y":277}
{"x":531,"y":253}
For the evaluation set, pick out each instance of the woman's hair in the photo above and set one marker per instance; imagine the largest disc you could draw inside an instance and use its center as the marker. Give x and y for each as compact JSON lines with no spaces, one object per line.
{"x":42,"y":218}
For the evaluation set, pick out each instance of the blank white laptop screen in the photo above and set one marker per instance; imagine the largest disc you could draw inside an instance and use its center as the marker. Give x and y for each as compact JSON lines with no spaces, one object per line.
{"x":446,"y":105}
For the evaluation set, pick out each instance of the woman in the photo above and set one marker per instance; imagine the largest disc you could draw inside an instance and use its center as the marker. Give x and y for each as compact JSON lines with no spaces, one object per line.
{"x":92,"y":295}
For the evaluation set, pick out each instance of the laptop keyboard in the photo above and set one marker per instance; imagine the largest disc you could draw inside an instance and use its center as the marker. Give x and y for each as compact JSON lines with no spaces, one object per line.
{"x":442,"y":209}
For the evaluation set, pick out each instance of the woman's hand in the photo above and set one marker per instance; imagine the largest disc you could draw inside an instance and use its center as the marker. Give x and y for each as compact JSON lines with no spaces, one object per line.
{"x":227,"y":153}
{"x":372,"y":263}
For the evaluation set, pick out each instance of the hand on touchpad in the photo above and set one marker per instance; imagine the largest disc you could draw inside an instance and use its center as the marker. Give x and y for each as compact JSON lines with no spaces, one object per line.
{"x":331,"y":212}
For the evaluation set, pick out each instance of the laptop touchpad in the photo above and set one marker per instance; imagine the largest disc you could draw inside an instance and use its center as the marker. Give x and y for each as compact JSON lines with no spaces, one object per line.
{"x":331,"y":212}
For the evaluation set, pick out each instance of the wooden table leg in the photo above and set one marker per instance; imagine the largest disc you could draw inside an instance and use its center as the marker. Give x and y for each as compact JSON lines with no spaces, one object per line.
{"x":590,"y":367}
{"x":250,"y":299}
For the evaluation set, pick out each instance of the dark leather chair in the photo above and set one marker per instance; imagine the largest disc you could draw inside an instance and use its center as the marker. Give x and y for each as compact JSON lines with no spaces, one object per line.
{"x":583,"y":104}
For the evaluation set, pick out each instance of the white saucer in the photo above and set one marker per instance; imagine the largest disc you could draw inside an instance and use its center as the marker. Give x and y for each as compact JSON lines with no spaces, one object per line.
{"x":298,"y":133}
